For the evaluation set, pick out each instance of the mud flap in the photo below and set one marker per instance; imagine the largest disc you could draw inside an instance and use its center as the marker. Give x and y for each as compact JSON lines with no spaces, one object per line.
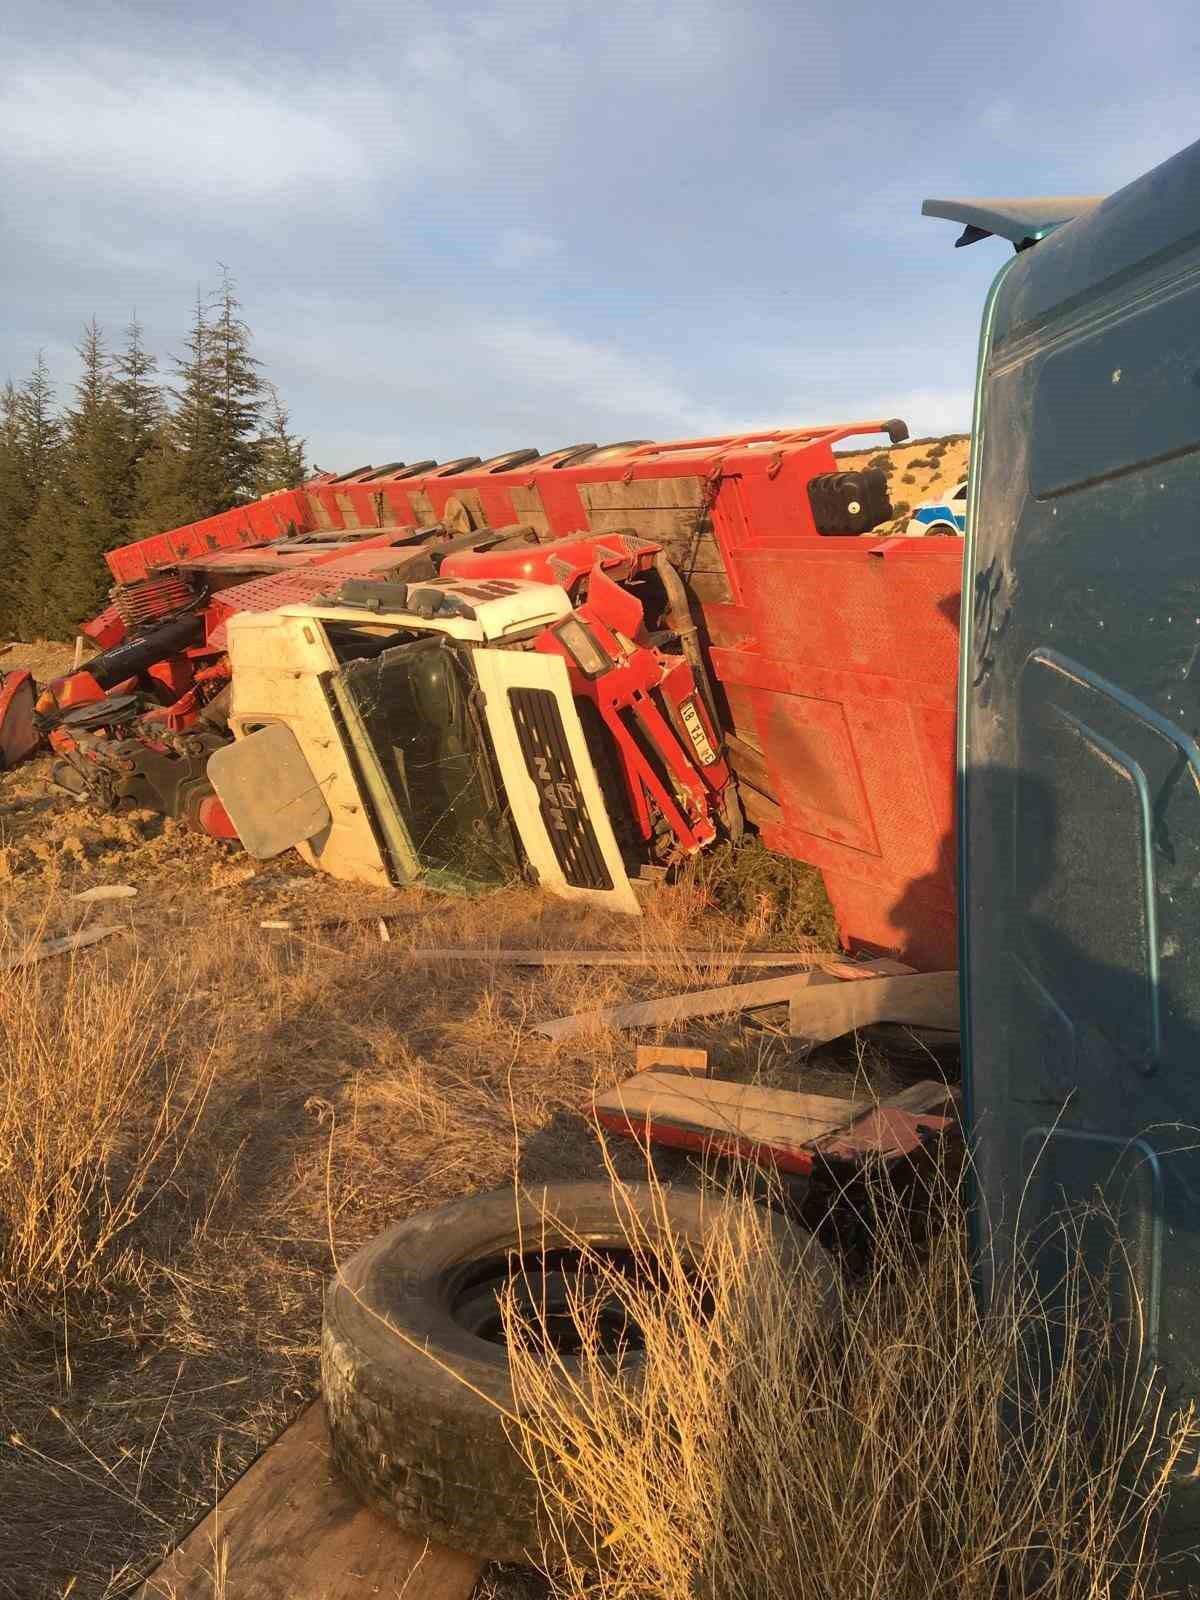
{"x":550,"y":779}
{"x":18,"y":736}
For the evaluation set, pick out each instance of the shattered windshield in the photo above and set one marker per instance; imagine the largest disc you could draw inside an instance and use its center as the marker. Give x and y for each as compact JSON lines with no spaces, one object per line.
{"x":414,"y":722}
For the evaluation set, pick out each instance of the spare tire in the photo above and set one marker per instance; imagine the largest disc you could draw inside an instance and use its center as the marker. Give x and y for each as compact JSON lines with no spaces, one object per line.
{"x":415,"y":1376}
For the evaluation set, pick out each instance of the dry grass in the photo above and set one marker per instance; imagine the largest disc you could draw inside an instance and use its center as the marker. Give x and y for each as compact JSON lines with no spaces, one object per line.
{"x":770,"y":1450}
{"x":96,"y":1107}
{"x":171,"y":1102}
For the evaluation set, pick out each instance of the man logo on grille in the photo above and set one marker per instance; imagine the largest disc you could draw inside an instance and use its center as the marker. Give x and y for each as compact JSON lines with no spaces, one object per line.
{"x":557,"y":795}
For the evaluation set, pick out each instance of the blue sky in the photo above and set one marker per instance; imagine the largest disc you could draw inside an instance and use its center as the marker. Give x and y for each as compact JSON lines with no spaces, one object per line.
{"x":462,"y":229}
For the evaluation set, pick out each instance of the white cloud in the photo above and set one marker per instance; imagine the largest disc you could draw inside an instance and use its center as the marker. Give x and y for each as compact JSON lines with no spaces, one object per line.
{"x":439,"y":379}
{"x":998,"y":116}
{"x":524,"y":247}
{"x":195,"y":133}
{"x":930,"y":410}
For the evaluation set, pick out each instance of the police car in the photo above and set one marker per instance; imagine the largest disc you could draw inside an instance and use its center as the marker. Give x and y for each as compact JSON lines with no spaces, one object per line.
{"x":945,"y":515}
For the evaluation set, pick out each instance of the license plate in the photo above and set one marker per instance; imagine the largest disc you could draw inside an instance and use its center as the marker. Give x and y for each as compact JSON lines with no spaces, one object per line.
{"x":695,"y":728}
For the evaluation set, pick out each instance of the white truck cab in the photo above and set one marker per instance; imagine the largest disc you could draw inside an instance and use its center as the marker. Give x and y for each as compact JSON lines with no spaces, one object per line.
{"x":444,"y":748}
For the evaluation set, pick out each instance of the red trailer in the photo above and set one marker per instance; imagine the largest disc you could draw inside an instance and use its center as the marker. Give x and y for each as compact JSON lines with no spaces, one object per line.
{"x":832,"y":652}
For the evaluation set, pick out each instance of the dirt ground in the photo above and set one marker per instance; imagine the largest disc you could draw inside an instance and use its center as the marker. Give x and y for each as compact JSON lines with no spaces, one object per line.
{"x":347,"y":1083}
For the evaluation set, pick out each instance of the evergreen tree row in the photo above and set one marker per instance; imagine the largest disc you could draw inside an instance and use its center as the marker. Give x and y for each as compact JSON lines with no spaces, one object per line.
{"x":130,"y":457}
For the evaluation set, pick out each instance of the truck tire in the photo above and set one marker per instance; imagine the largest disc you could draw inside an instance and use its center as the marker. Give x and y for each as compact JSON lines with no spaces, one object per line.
{"x":414,"y":1374}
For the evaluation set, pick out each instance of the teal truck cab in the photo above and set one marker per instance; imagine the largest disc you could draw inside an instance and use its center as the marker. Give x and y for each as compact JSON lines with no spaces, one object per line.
{"x":1079,"y":742}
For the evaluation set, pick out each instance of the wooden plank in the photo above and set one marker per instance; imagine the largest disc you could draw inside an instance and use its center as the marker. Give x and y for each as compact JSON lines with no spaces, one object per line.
{"x":350,"y":517}
{"x":422,"y":508}
{"x":622,"y":958}
{"x":291,"y":1529}
{"x":675,"y":1007}
{"x":922,"y":999}
{"x":528,"y":508}
{"x":672,"y":1058}
{"x":880,"y":967}
{"x":763,"y":813}
{"x":55,"y":947}
{"x":642,"y":493}
{"x":735,"y":1119}
{"x":750,"y":765}
{"x":897,"y":1126}
{"x":710,"y":1002}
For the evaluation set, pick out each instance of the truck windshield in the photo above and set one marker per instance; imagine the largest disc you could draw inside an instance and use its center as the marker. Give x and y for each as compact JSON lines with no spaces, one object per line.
{"x":421,"y":748}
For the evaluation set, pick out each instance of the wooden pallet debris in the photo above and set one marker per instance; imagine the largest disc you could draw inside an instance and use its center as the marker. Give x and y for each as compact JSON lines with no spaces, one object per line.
{"x":896,"y":1126}
{"x":672,"y":1058}
{"x":921,"y":999}
{"x":734,"y":959}
{"x":775,"y":1127}
{"x":290,"y":1529}
{"x":715,"y":1002}
{"x":732,"y":1119}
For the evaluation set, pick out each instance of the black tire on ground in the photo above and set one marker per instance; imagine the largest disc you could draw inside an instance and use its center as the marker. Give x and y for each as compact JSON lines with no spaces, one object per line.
{"x":421,"y":1445}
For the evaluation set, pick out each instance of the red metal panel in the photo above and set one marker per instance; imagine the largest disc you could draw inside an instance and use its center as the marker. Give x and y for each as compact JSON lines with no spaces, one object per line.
{"x":851,"y":660}
{"x":265,"y":594}
{"x":262,"y":520}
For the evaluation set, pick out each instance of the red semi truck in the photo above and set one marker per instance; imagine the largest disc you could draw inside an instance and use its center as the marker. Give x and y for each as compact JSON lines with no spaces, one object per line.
{"x":714,"y":623}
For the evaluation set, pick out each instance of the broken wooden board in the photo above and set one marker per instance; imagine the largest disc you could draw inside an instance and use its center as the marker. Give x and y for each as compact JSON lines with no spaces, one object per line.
{"x":291,"y":1529}
{"x":672,"y":1058}
{"x":775,"y":1126}
{"x":922,"y":999}
{"x":708,"y":1002}
{"x":54,"y":947}
{"x":619,"y":958}
{"x":895,"y":1127}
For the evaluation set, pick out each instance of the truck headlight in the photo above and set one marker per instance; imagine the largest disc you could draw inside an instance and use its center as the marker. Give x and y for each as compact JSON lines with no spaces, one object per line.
{"x":577,"y":640}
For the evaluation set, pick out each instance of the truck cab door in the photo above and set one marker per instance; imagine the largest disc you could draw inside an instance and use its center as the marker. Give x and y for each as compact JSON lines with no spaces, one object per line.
{"x":1079,"y":766}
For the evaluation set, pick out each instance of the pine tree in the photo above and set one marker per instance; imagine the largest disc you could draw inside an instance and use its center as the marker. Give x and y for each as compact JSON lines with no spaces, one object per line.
{"x":162,"y":496}
{"x":280,"y":451}
{"x":139,"y":400}
{"x":239,"y":395}
{"x":195,"y":478}
{"x":93,"y":489}
{"x":30,"y":443}
{"x":16,"y":507}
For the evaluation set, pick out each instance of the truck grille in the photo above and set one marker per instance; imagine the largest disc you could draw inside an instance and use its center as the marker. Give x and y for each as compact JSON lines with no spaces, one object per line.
{"x":543,"y":743}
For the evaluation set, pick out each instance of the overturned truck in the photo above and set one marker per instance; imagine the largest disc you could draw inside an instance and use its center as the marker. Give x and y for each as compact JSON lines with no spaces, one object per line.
{"x":564,"y":664}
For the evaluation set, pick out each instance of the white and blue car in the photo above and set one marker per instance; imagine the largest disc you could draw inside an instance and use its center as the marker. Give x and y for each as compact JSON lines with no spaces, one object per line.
{"x":946,"y":515}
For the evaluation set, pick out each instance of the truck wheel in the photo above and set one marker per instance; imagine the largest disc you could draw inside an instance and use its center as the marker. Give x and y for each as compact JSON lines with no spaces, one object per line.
{"x":414,"y":1371}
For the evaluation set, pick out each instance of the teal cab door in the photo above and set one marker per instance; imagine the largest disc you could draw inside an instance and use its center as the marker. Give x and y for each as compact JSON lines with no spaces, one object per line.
{"x":1079,"y":754}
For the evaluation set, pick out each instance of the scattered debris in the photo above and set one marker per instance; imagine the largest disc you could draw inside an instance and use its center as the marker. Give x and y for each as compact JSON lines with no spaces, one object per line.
{"x":338,"y":919}
{"x":894,"y":1128}
{"x":922,"y":999}
{"x":291,"y":1528}
{"x":620,"y":958}
{"x":55,"y":947}
{"x":708,"y":1002}
{"x":779,"y":1127}
{"x":672,"y":1058}
{"x":106,"y":891}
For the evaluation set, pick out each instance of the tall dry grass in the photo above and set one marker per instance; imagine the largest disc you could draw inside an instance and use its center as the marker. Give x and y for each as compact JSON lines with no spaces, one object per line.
{"x":97,"y":1101}
{"x":895,"y":1442}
